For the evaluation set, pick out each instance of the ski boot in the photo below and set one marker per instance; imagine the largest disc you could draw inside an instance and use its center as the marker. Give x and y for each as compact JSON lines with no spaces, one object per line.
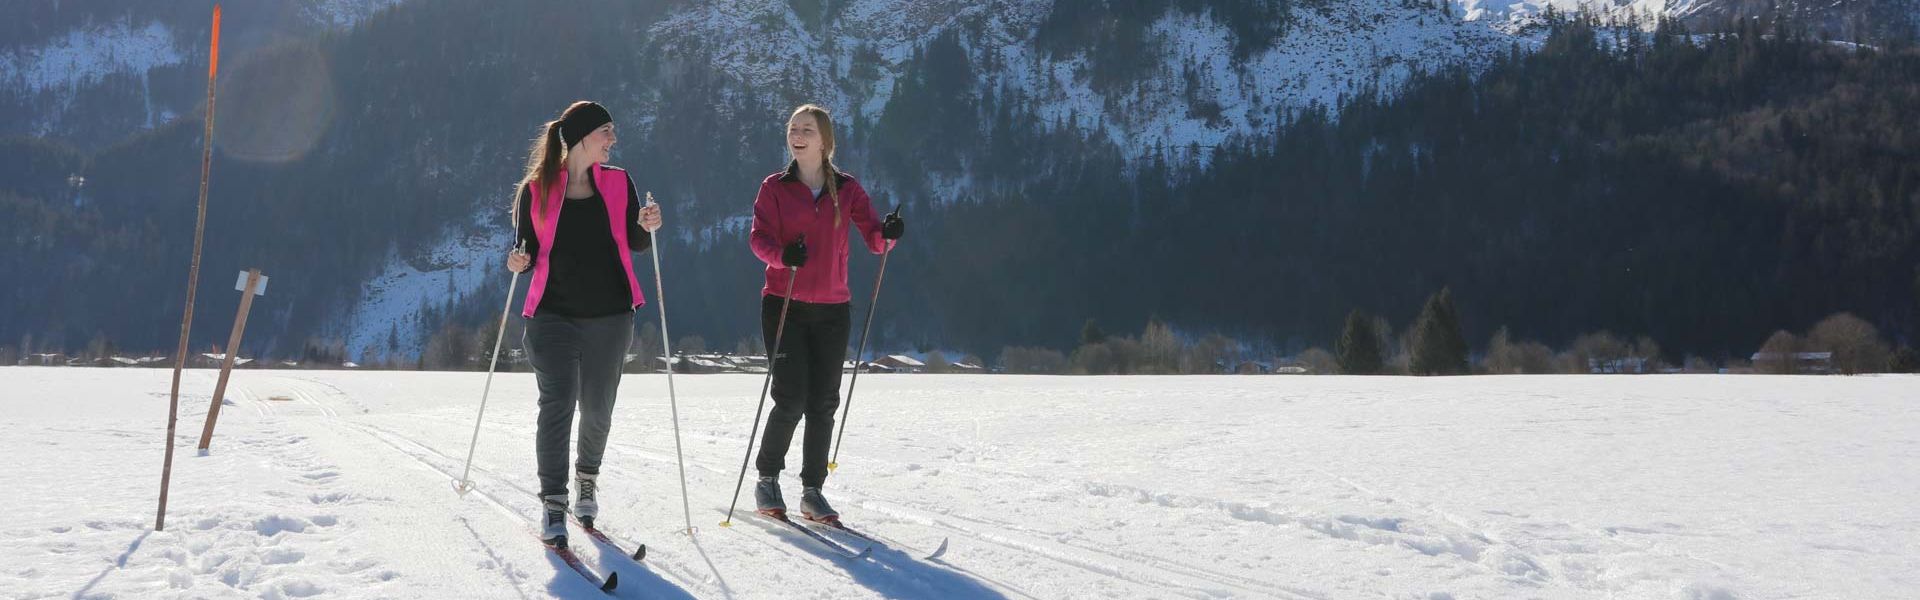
{"x":814,"y":507}
{"x":766,"y":497}
{"x":553,"y":522}
{"x":587,"y":505}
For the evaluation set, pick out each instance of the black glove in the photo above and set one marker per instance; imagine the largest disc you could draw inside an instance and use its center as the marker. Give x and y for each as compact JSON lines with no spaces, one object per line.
{"x":892,"y":228}
{"x":795,"y":255}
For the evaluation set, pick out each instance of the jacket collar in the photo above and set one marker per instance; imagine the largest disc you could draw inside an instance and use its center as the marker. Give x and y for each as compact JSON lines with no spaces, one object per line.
{"x":793,"y":174}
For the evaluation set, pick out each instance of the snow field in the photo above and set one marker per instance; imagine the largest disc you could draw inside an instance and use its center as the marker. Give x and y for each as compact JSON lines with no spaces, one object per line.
{"x":338,"y":484}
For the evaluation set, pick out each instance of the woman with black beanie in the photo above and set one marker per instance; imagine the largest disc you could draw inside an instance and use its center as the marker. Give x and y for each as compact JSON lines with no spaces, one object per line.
{"x":579,"y":221}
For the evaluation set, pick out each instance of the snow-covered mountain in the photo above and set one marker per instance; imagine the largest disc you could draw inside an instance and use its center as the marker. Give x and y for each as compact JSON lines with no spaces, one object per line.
{"x":1193,"y":89}
{"x":1854,"y":20}
{"x":61,"y":55}
{"x":1509,"y":15}
{"x":1329,"y":49}
{"x":342,"y":13}
{"x":1193,"y":79}
{"x":1192,"y":93}
{"x":86,"y":54}
{"x":1164,"y":82}
{"x":100,"y":59}
{"x":57,"y":70}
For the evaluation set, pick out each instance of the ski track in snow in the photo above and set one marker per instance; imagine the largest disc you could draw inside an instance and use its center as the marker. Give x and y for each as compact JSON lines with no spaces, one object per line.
{"x":338,"y":484}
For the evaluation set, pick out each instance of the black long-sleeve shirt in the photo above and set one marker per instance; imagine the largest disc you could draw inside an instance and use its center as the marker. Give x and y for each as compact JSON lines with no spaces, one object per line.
{"x":584,"y":276}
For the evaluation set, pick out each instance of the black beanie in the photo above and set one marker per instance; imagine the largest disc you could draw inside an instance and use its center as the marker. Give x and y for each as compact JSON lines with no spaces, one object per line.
{"x":581,"y":121}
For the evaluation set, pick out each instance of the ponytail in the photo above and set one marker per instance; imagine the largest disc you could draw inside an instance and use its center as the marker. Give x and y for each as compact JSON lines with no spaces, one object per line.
{"x":544,"y":160}
{"x":833,"y":189}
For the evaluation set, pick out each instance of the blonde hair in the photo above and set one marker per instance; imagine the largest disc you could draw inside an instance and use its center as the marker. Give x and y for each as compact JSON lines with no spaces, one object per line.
{"x":825,"y":121}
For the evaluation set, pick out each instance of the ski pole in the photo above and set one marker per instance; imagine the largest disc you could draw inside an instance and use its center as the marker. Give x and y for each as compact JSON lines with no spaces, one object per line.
{"x":773,"y":356}
{"x":465,"y":484}
{"x":872,"y":307}
{"x":666,"y":347}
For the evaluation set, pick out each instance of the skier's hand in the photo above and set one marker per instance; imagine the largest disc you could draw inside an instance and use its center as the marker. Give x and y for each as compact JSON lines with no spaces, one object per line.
{"x":893,"y":227}
{"x":650,"y":215}
{"x":795,"y":255}
{"x":518,"y":261}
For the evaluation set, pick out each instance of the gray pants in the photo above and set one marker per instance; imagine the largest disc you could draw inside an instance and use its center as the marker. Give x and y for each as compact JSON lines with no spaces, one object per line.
{"x":574,"y":360}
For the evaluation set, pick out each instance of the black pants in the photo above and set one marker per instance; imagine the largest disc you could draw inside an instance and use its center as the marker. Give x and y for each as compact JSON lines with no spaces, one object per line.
{"x":806,"y":383}
{"x":575,"y":361}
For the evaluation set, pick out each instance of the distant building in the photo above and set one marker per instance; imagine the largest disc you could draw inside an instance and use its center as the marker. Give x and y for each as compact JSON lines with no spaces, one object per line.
{"x":1252,"y":367}
{"x":214,"y":360}
{"x":865,"y":367}
{"x":700,"y":364}
{"x":713,"y":363}
{"x":1625,"y":365}
{"x":901,"y":363}
{"x":1815,"y":363}
{"x":748,"y":362}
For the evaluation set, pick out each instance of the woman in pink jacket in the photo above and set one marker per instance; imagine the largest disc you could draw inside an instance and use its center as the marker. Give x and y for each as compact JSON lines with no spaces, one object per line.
{"x":801,"y":221}
{"x":579,"y":221}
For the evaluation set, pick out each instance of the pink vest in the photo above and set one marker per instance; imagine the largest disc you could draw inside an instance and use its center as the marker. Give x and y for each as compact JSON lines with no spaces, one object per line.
{"x":612,"y":184}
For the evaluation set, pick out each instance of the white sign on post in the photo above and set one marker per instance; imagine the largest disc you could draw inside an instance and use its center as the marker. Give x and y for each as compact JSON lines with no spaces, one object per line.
{"x":240,"y":285}
{"x":258,"y":288}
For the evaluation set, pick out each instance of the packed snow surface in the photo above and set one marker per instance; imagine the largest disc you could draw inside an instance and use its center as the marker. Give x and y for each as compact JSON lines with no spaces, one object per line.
{"x":338,"y":484}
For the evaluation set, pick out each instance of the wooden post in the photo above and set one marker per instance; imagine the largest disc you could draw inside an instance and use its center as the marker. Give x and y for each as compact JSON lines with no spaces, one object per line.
{"x":193,"y":273}
{"x":251,"y":283}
